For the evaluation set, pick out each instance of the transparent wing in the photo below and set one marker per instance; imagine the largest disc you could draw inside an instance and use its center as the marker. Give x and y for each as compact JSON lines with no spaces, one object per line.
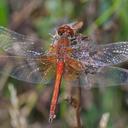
{"x":107,"y":76}
{"x":25,"y":57}
{"x":30,"y":70}
{"x":96,"y":61}
{"x":111,"y":76}
{"x":18,"y":44}
{"x":110,"y":54}
{"x":101,"y":55}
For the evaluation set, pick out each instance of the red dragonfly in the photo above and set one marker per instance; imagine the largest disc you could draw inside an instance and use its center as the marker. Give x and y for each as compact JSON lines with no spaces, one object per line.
{"x":71,"y":55}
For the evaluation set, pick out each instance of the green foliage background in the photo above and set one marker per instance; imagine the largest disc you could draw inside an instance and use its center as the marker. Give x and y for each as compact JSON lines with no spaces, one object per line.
{"x":104,"y":21}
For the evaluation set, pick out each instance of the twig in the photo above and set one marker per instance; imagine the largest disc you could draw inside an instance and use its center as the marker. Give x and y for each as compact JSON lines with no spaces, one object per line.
{"x":19,"y":17}
{"x":104,"y":120}
{"x":74,"y":99}
{"x":78,"y":108}
{"x":17,"y":119}
{"x":6,"y":69}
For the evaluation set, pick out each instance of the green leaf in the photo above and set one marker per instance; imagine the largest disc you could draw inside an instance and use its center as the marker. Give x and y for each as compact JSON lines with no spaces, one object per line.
{"x":3,"y":13}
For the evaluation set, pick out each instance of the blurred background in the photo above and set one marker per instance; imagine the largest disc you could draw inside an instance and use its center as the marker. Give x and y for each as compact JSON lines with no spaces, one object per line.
{"x":23,"y":105}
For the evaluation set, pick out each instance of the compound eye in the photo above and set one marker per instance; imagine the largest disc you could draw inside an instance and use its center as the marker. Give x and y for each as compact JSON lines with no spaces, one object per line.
{"x":65,"y":30}
{"x":60,"y":32}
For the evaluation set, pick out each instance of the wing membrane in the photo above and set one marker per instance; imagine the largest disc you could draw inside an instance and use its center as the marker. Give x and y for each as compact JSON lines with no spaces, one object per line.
{"x":101,"y":55}
{"x":112,"y":76}
{"x":97,"y":61}
{"x":110,"y":54}
{"x":107,"y":76}
{"x":27,"y":69}
{"x":18,"y":44}
{"x":28,"y":61}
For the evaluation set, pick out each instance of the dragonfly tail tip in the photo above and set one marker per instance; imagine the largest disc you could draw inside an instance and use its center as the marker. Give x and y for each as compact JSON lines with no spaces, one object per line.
{"x":51,"y":118}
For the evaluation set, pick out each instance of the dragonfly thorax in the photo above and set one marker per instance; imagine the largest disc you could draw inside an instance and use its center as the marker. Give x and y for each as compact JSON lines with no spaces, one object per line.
{"x":61,"y":48}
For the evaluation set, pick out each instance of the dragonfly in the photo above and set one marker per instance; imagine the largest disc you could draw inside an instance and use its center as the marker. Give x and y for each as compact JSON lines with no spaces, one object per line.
{"x":71,"y":56}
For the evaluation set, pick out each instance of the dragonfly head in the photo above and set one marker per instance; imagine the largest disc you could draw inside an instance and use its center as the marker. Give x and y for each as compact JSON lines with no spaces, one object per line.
{"x":69,"y":30}
{"x":65,"y":30}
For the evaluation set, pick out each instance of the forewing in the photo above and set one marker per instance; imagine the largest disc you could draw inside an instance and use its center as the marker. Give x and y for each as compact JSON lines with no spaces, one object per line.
{"x":18,"y":44}
{"x":94,"y":55}
{"x":110,"y":54}
{"x":26,"y":58}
